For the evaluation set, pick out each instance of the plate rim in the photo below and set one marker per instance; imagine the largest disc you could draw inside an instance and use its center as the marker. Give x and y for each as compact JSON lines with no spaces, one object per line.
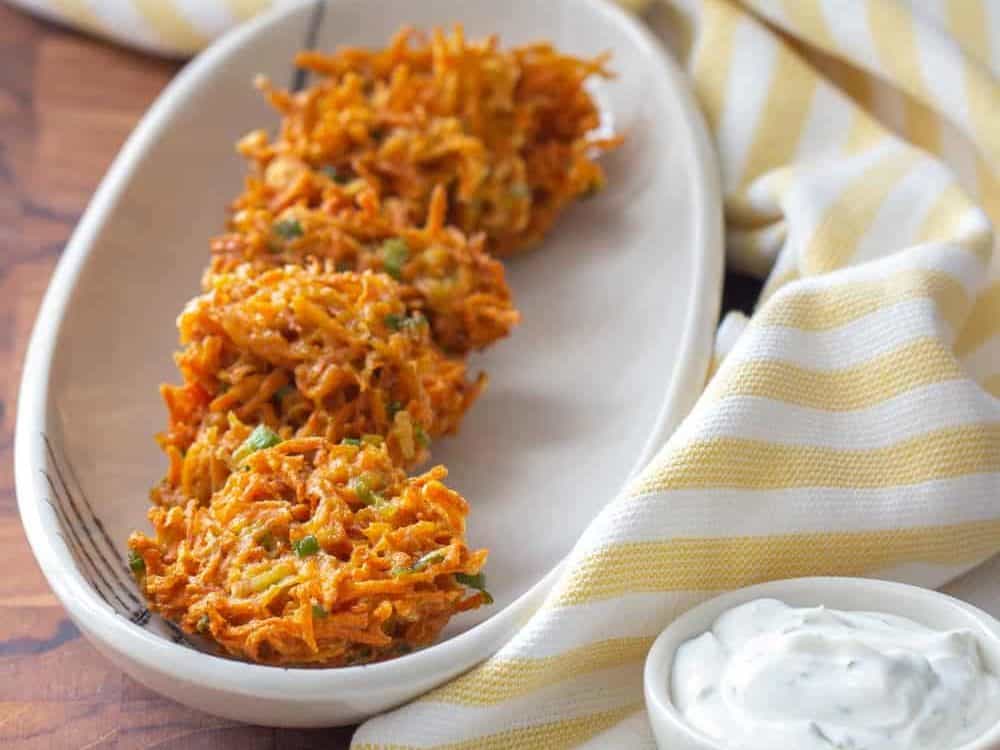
{"x":111,"y":631}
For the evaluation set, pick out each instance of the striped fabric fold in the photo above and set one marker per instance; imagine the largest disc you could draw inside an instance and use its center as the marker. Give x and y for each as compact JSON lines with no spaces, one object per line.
{"x":851,"y":425}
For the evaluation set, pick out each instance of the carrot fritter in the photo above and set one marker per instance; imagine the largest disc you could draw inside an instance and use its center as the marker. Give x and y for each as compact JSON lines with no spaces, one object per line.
{"x":443,"y":274}
{"x":314,"y":553}
{"x":507,"y":132}
{"x":328,"y":347}
{"x":306,"y":353}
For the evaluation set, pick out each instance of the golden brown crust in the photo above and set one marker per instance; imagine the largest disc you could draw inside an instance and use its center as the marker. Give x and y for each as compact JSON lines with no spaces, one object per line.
{"x":237,"y":571}
{"x":306,"y":353}
{"x":328,"y":346}
{"x":507,"y":132}
{"x":446,"y":276}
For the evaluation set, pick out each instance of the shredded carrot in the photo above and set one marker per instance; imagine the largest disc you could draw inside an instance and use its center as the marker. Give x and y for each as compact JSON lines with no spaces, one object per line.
{"x":447,"y":276}
{"x":508,"y":133}
{"x":307,"y":353}
{"x":293,"y":564}
{"x":358,"y":269}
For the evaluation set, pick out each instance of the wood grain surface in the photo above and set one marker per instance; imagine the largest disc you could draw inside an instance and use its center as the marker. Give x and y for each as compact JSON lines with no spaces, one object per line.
{"x":67,"y":102}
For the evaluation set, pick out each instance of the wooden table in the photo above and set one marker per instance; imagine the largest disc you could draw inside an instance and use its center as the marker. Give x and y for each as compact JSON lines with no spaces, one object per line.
{"x":67,"y":102}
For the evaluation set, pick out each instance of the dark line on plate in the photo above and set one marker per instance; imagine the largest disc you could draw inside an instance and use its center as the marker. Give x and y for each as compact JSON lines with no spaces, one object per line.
{"x":74,"y":542}
{"x":82,"y":527}
{"x":300,"y":77}
{"x":75,"y":547}
{"x":39,"y":210}
{"x":124,"y":583}
{"x":178,"y":634}
{"x":79,"y":549}
{"x":138,"y":617}
{"x":76,"y":552}
{"x":65,"y":631}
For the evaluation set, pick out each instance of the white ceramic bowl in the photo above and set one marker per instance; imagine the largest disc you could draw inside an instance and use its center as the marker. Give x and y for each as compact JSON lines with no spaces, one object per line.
{"x":619,"y":307}
{"x":931,"y":608}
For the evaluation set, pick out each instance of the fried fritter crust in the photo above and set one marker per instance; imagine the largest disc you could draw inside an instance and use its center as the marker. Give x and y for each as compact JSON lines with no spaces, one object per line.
{"x":306,"y":353}
{"x":443,"y":274}
{"x":313,"y":553}
{"x":508,"y":132}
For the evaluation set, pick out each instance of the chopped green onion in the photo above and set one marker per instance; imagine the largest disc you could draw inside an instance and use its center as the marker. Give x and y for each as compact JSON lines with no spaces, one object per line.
{"x":431,"y":558}
{"x":370,"y":439}
{"x":318,"y":612}
{"x":364,"y":489}
{"x":262,"y":437}
{"x":593,"y":189}
{"x":421,"y":434}
{"x":336,"y":175}
{"x":394,"y":407}
{"x":306,"y":546}
{"x":520,"y":190}
{"x":478,"y":582}
{"x":396,"y":322}
{"x":395,"y":253}
{"x":288,"y":229}
{"x":204,"y":622}
{"x":136,"y":563}
{"x":362,"y":656}
{"x":440,"y":291}
{"x":266,"y":540}
{"x":356,"y":442}
{"x":270,"y":577}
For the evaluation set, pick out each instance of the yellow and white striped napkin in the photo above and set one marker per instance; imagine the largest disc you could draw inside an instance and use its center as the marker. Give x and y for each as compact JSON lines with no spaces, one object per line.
{"x":176,"y":28}
{"x":852,"y":426}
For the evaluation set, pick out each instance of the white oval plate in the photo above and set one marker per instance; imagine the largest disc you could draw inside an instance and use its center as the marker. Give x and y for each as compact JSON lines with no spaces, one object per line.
{"x":619,"y":307}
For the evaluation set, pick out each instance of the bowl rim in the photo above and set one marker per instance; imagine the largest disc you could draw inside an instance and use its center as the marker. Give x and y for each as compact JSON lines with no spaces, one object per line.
{"x":159,"y":655}
{"x":669,"y":723}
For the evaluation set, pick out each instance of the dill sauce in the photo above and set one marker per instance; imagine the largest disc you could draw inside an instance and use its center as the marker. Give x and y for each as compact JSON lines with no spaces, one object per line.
{"x":770,"y":676}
